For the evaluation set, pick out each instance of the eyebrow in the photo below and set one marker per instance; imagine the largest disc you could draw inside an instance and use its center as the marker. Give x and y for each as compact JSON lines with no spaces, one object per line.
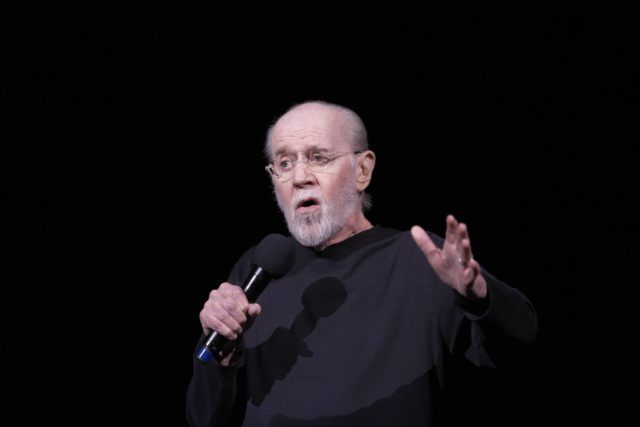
{"x":315,"y":148}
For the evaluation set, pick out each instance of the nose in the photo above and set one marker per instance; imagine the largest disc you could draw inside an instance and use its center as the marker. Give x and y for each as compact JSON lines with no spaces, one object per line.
{"x":302,"y":175}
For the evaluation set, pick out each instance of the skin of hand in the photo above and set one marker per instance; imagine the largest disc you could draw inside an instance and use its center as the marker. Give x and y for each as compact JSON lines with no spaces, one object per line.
{"x":454,"y":263}
{"x":228,"y":312}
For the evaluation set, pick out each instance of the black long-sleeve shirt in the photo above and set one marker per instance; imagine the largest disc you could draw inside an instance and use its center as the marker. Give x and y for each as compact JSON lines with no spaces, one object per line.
{"x":357,"y":334}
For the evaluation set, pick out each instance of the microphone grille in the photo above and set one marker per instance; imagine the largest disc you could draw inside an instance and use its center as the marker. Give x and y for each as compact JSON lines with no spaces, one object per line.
{"x":275,"y":255}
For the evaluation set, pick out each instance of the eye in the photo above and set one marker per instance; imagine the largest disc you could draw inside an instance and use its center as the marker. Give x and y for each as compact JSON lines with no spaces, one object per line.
{"x":318,"y":159}
{"x":285,"y":164}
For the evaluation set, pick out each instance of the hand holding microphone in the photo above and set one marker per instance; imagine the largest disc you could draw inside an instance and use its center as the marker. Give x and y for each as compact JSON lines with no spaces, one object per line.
{"x":230,"y":309}
{"x":226,"y":314}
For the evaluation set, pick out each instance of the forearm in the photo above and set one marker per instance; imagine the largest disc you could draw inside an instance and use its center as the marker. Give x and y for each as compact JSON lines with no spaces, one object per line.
{"x":507,"y":311}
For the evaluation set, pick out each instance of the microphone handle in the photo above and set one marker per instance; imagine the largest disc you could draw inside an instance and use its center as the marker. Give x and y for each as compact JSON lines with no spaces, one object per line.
{"x":255,"y":284}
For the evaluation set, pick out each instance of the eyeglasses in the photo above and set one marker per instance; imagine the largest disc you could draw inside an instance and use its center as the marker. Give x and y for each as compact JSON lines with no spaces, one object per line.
{"x":317,"y":162}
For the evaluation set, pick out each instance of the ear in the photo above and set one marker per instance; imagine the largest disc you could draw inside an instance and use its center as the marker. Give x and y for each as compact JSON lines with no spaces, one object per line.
{"x":364,"y":170}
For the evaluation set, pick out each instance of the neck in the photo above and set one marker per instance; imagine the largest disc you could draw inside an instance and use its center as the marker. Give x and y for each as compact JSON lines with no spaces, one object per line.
{"x":354,"y":225}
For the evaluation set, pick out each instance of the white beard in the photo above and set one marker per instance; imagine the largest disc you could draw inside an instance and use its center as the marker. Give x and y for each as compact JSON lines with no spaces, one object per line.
{"x":314,"y":228}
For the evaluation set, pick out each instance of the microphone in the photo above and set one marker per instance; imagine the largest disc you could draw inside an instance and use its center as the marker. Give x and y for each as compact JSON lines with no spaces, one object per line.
{"x":272,"y":259}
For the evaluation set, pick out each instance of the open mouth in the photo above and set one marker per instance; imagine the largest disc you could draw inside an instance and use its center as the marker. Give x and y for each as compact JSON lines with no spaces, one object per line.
{"x":307,"y":205}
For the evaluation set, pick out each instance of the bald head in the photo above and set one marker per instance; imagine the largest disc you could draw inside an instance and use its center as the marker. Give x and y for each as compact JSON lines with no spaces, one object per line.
{"x":331,"y":121}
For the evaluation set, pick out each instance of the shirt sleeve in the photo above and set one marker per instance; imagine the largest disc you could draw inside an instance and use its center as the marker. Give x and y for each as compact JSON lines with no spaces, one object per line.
{"x":505,"y":315}
{"x":212,"y":396}
{"x":477,"y":328}
{"x":212,"y":392}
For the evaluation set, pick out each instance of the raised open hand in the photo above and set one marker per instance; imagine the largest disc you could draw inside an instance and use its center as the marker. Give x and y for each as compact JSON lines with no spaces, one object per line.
{"x":454,"y":263}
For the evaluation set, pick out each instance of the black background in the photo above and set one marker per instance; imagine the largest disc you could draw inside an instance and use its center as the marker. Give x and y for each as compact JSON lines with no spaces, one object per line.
{"x":133,"y":178}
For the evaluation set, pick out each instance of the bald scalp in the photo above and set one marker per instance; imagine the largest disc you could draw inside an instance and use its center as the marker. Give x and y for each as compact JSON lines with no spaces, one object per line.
{"x":341,"y":121}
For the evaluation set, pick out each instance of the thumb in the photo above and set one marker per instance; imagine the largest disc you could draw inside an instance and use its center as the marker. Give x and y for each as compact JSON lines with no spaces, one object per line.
{"x":254,"y":310}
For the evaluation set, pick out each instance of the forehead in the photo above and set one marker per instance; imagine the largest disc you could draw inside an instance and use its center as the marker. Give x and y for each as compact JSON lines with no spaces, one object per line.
{"x":308,"y":129}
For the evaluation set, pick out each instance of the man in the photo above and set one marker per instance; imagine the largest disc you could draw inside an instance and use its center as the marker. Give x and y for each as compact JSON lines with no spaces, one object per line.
{"x":362,"y":329}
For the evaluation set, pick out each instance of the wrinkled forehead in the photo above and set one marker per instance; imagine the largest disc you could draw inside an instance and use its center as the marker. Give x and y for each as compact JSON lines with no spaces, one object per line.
{"x":309,"y":141}
{"x":303,"y":132}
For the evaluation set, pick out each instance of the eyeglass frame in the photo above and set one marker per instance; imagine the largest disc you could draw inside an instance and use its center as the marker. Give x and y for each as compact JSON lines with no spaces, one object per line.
{"x":271,"y":167}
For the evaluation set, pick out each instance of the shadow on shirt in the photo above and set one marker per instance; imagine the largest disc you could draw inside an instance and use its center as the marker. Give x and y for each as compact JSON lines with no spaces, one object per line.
{"x":321,"y":299}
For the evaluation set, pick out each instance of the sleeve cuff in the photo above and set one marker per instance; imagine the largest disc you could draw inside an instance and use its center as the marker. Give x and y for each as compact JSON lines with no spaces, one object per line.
{"x":475,"y":307}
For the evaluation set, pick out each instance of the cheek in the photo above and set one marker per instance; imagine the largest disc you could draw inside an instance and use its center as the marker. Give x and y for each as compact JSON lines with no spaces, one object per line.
{"x":282,"y":196}
{"x":345,"y":179}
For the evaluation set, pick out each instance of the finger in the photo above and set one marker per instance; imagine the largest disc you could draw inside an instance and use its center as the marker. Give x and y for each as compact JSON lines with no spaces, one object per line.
{"x":203,"y":322}
{"x":234,"y":313}
{"x":237,"y":295}
{"x":467,"y":255}
{"x":462,"y":232}
{"x":424,"y":242}
{"x":232,"y":300}
{"x":475,"y":266}
{"x":224,"y":330}
{"x":254,"y":310}
{"x":468,"y":276}
{"x":222,"y":322}
{"x":210,"y":322}
{"x":452,"y":226}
